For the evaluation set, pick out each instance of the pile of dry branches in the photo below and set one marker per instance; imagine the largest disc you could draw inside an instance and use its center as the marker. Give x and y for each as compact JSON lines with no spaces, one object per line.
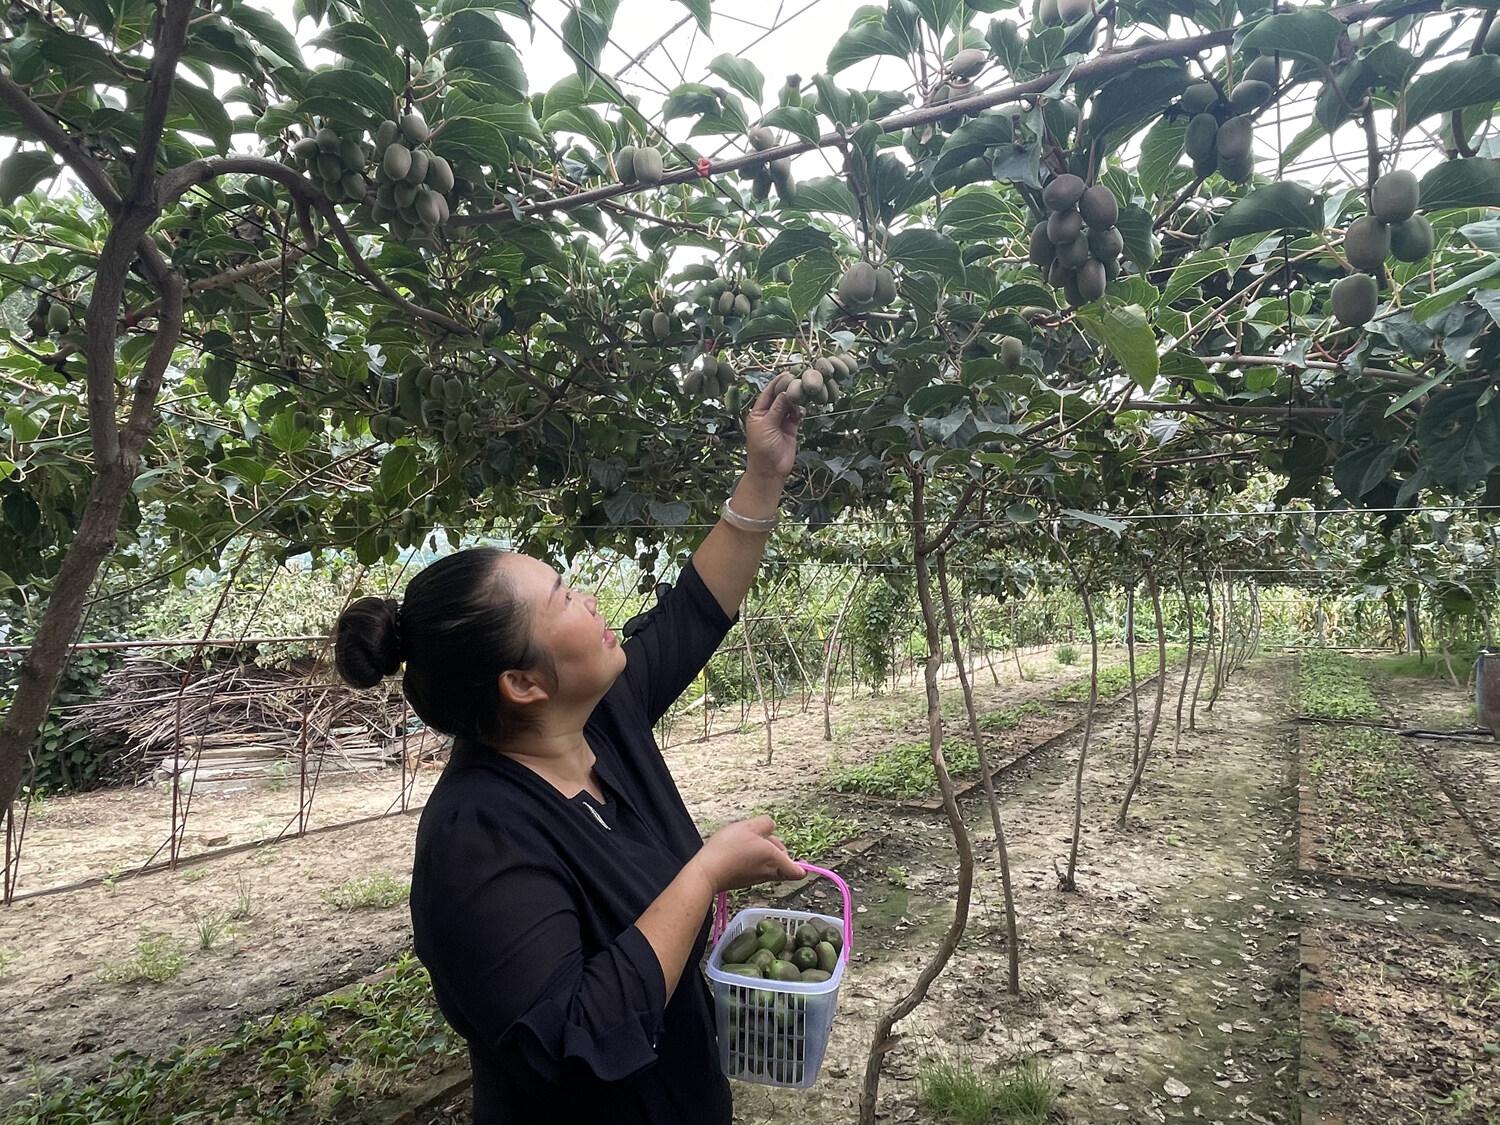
{"x":240,"y":721}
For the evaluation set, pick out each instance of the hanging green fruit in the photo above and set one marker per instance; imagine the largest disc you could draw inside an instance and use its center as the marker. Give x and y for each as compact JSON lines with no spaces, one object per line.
{"x":1355,"y":299}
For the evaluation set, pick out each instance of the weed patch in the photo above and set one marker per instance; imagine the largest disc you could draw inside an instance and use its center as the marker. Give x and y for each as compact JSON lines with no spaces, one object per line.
{"x":1331,"y":686}
{"x":313,"y":1066}
{"x":378,"y":891}
{"x":810,"y":831}
{"x":904,"y":771}
{"x":157,"y":958}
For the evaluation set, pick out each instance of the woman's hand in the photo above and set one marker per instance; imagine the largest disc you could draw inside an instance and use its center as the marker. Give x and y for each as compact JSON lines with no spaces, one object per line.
{"x":744,"y":853}
{"x":771,"y":432}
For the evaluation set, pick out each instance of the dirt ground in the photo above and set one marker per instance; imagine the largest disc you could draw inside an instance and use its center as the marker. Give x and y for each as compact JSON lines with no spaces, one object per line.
{"x":1175,"y":962}
{"x":112,"y":832}
{"x":1401,"y":1015}
{"x":288,"y":943}
{"x":1406,"y":1023}
{"x":1174,"y":967}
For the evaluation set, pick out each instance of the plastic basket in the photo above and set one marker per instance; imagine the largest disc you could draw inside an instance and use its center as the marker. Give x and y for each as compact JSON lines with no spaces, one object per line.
{"x":775,"y":1032}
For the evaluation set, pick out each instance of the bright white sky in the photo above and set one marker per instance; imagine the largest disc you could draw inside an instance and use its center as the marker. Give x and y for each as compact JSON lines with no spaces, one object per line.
{"x":805,"y":32}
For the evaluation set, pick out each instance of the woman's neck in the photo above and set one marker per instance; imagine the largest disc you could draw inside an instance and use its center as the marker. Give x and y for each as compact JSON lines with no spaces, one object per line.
{"x":562,"y":756}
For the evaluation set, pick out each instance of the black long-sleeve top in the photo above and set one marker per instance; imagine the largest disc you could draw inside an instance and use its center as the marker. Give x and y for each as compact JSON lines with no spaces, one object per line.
{"x":524,"y":904}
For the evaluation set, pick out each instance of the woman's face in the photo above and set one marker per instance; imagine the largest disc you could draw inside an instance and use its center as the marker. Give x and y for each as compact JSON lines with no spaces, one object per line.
{"x":565,"y":624}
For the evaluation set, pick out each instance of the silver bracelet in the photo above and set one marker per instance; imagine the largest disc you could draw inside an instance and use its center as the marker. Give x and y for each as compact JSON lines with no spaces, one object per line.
{"x":746,"y":523}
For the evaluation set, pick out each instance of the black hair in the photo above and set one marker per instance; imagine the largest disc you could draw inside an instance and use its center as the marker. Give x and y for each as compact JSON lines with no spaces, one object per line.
{"x":459,"y":627}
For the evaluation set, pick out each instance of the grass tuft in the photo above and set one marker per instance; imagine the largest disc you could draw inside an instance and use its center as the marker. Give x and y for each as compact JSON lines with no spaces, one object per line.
{"x":954,"y":1090}
{"x":379,"y":891}
{"x":1066,"y":654}
{"x":810,"y":831}
{"x":157,"y":958}
{"x":212,"y":928}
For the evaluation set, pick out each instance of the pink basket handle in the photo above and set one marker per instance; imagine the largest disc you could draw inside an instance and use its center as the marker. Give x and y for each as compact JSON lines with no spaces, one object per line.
{"x":721,"y":904}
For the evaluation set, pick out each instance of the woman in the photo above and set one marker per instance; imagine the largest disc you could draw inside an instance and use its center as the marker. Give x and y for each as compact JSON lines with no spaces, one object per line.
{"x":560,"y":891}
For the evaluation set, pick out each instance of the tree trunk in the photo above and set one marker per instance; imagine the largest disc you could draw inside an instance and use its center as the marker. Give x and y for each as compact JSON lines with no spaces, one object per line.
{"x":1414,"y":641}
{"x":1135,"y":703}
{"x":831,"y":657}
{"x":1208,"y":651}
{"x":1187,"y":663}
{"x":1161,"y":688}
{"x":1068,"y":881}
{"x":1002,"y":853}
{"x":760,"y":691}
{"x":882,"y":1042}
{"x":1225,"y":637}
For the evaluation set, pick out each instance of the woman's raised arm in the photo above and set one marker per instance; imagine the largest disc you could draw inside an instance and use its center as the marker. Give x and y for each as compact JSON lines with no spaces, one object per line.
{"x":728,"y":559}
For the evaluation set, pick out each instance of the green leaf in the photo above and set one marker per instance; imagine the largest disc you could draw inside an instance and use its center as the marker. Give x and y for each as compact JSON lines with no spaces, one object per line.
{"x":353,"y":87}
{"x":399,"y":22}
{"x":863,"y":41}
{"x":1460,"y":440}
{"x":470,"y":27}
{"x":1414,"y":393}
{"x":1114,"y":527}
{"x":791,"y":244}
{"x":701,"y":10}
{"x":1484,"y":234}
{"x":584,"y":36}
{"x":812,"y":280}
{"x":1462,"y":183}
{"x":248,"y":469}
{"x":1459,"y":84}
{"x":268,"y":31}
{"x":689,"y":100}
{"x":25,"y":425}
{"x":1360,"y":470}
{"x":22,"y":171}
{"x":1348,"y":89}
{"x":468,"y":136}
{"x":1123,"y":104}
{"x":1134,"y":224}
{"x":938,"y":14}
{"x":586,"y":121}
{"x":826,"y":193}
{"x":740,"y":73}
{"x":515,"y":121}
{"x":517,"y":8}
{"x":398,"y":468}
{"x":205,"y":108}
{"x":980,"y":213}
{"x":1195,"y":268}
{"x":971,"y":139}
{"x":801,"y":123}
{"x":218,"y":378}
{"x":676,"y":512}
{"x":926,"y":251}
{"x":1124,"y":330}
{"x":1161,"y":149}
{"x":1309,"y":33}
{"x":1454,"y":292}
{"x":1278,"y":206}
{"x":362,"y":46}
{"x":493,"y":67}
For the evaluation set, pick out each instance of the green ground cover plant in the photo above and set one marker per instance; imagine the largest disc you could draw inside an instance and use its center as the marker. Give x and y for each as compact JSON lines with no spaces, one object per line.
{"x":1331,"y":685}
{"x":311,"y":1066}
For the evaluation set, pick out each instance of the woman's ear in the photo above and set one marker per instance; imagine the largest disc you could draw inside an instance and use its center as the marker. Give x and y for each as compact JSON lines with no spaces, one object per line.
{"x":523,"y":688}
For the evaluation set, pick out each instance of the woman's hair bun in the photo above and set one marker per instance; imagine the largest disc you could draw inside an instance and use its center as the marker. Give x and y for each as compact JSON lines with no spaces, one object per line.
{"x":367,"y":641}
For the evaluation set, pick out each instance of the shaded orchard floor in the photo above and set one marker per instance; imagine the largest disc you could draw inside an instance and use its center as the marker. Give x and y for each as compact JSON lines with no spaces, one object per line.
{"x":286,"y":942}
{"x":1175,"y":960}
